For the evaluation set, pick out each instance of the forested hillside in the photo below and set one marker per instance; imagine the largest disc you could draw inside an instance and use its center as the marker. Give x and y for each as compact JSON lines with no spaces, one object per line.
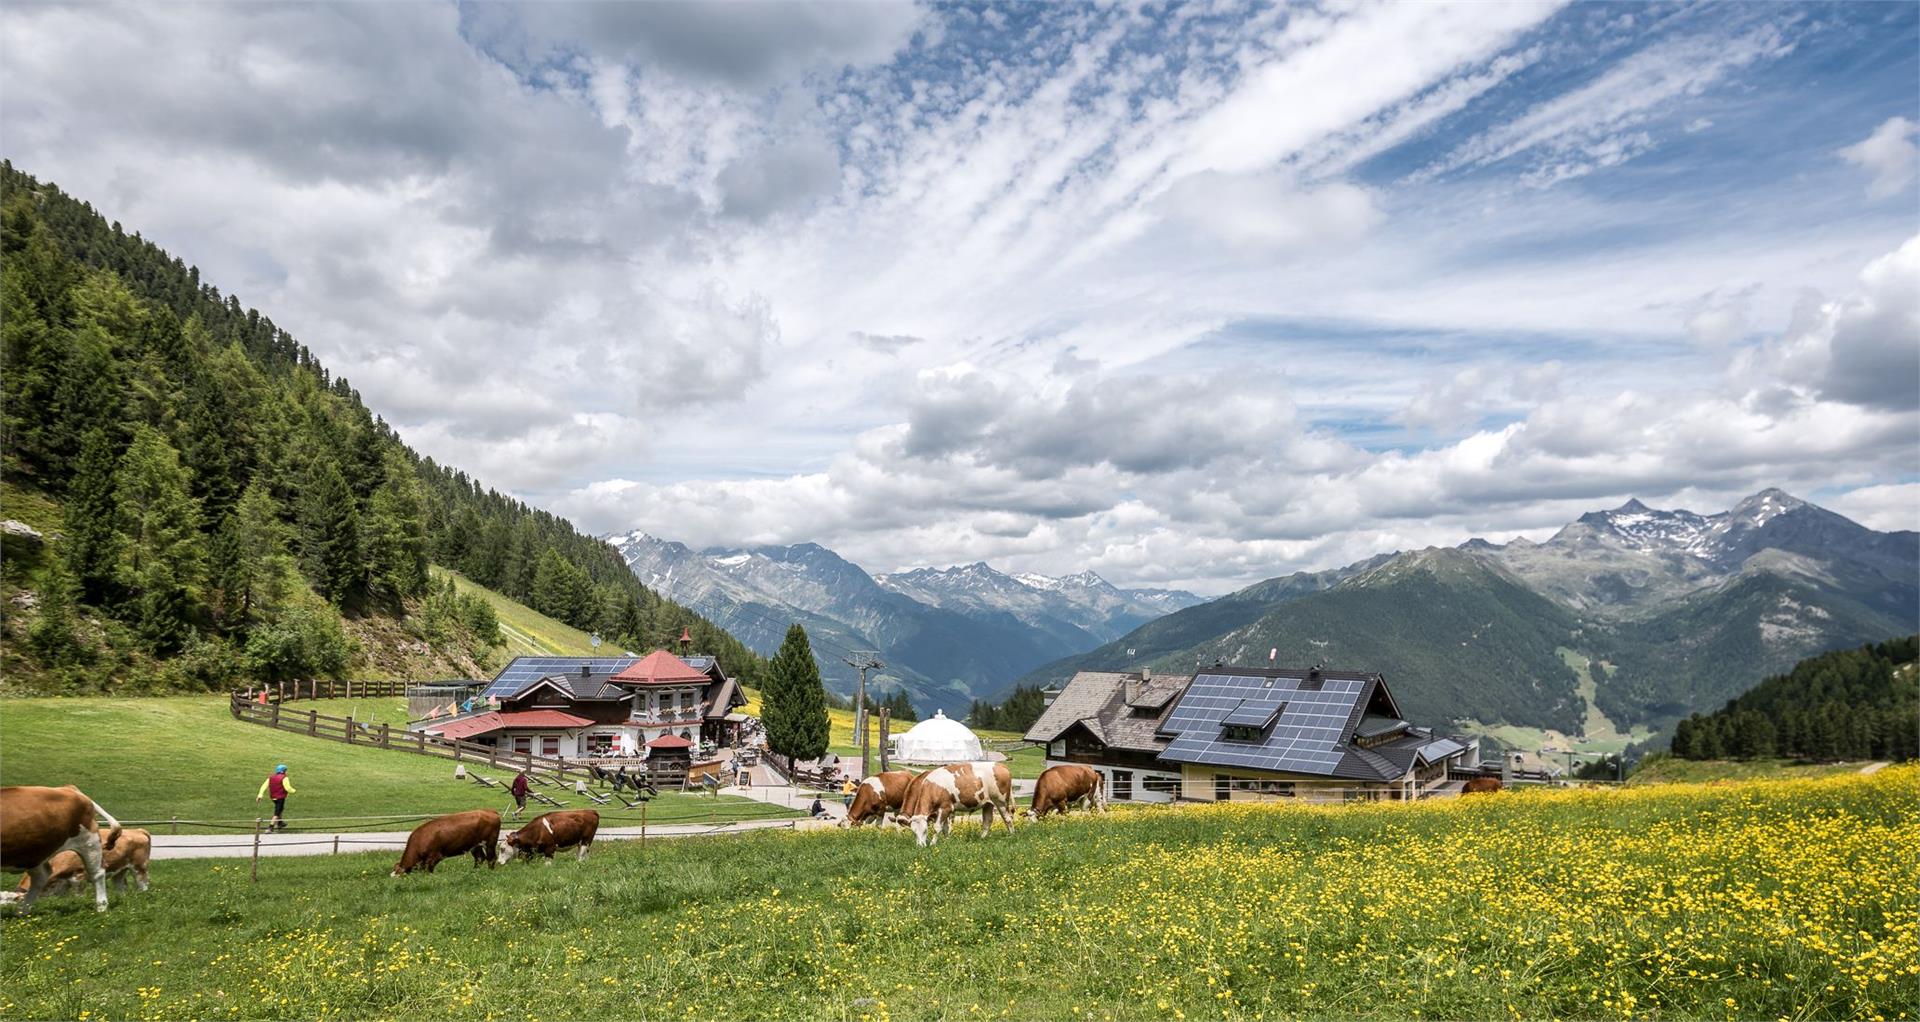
{"x":1848,"y":704}
{"x":200,"y":501}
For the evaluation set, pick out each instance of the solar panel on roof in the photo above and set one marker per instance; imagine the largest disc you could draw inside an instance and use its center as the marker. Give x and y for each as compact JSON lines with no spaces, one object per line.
{"x":526,"y":670}
{"x":1304,"y":736}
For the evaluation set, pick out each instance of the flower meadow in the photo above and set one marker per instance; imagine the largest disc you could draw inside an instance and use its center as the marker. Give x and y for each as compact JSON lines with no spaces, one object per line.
{"x":1767,"y":900}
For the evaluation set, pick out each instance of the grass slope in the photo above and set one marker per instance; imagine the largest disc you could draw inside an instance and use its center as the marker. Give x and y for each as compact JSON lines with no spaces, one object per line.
{"x":1664,"y":769}
{"x":1772,"y":899}
{"x":527,"y":631}
{"x":153,"y":759}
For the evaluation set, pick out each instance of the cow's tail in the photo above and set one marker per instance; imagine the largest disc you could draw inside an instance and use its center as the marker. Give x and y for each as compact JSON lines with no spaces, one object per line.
{"x":113,"y":835}
{"x":1100,"y":790}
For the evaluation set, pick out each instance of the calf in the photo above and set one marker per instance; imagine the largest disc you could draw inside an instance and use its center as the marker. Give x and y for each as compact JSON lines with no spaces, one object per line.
{"x":932,"y":798}
{"x":1479,"y":785}
{"x":38,"y":823}
{"x":127,"y":858}
{"x":452,"y":835}
{"x":1061,"y":787}
{"x":878,"y":796}
{"x":550,"y":832}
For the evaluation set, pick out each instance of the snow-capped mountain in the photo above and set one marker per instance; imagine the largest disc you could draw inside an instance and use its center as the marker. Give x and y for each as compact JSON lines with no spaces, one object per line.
{"x":1082,"y":609}
{"x":1634,"y":557}
{"x":946,"y":635}
{"x":1664,"y":612}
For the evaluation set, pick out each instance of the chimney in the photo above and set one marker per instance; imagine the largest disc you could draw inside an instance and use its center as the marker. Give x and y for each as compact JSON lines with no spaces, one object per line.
{"x":585,"y":669}
{"x":1048,"y":695}
{"x":1146,"y":674}
{"x":686,"y":639}
{"x":1132,"y":691}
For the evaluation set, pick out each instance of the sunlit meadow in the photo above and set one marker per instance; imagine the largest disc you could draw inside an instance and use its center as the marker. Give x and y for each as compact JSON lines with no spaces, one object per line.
{"x":1795,"y":899}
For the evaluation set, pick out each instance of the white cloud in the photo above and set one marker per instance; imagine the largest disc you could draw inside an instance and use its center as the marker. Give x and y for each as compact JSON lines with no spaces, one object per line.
{"x":1889,"y":154}
{"x":1889,"y":508}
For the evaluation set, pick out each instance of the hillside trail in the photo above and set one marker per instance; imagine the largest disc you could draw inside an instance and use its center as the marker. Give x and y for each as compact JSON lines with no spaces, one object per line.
{"x":1872,"y":768}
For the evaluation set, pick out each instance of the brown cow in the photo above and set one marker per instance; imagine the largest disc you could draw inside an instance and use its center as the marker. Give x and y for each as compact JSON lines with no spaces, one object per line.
{"x":38,"y":823}
{"x":934,"y":795}
{"x":878,"y":796}
{"x":127,"y":858}
{"x":550,"y":832}
{"x":1479,"y":785}
{"x":455,"y":834}
{"x":1061,"y":787}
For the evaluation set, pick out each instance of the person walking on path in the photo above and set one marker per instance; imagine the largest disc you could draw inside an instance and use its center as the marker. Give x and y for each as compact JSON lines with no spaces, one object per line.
{"x":519,"y":793}
{"x":279,"y":788}
{"x":847,"y":788}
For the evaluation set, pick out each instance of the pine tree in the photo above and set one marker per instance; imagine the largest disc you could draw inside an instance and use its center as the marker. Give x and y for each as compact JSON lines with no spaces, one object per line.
{"x":161,"y":522}
{"x":396,"y":533}
{"x":330,"y":536}
{"x":52,"y":637}
{"x":793,"y":702}
{"x":229,"y":576}
{"x":93,"y":540}
{"x":263,"y":540}
{"x":553,"y":592}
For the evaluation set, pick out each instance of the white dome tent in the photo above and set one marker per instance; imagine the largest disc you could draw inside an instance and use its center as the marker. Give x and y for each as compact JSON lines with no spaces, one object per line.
{"x":938,"y":739}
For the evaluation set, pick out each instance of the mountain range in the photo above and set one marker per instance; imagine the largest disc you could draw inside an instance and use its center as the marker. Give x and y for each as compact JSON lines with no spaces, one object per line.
{"x":946,"y":635}
{"x":1643,"y":615}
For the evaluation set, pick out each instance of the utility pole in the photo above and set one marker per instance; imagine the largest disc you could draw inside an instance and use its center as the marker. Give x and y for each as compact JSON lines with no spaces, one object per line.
{"x":863,"y":661}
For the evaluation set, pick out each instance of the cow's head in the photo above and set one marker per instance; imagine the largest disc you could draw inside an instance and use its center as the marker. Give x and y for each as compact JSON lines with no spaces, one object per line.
{"x":923,"y":832}
{"x":509,"y":847}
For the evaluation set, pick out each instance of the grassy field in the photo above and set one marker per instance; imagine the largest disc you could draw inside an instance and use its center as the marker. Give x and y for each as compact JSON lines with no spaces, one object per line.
{"x":1763,"y":900}
{"x":153,"y":759}
{"x":528,"y":632}
{"x":1672,"y":770}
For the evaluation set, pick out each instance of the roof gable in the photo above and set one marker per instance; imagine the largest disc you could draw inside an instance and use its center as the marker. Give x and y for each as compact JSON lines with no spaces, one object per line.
{"x":661,"y":668}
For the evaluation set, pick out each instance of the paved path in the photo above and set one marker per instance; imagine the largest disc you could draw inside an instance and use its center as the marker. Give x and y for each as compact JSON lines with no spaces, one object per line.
{"x":1872,"y":768}
{"x":240,"y":846}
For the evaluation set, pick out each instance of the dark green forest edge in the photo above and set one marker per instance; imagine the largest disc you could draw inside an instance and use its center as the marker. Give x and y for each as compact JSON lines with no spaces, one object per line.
{"x":1849,"y":704}
{"x":214,"y":507}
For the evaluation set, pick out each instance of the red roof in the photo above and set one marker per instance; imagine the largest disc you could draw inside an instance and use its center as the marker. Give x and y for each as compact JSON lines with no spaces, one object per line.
{"x":670,"y":742}
{"x":660,"y":668}
{"x":488,"y":723}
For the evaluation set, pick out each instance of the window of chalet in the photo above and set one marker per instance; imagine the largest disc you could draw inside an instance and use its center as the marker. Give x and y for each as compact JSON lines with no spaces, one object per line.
{"x":601,"y":745}
{"x":523,"y":743}
{"x":1123,"y":785}
{"x":1160,"y":784}
{"x":1222,"y":787}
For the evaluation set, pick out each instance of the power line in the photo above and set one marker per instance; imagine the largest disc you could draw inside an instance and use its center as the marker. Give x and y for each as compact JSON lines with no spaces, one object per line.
{"x":863,"y":661}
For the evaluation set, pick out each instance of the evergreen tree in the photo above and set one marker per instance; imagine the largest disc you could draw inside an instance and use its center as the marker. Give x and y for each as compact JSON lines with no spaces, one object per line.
{"x":553,"y":589}
{"x":161,"y":522}
{"x":900,"y":706}
{"x":52,"y":636}
{"x":93,"y":540}
{"x":396,"y":534}
{"x":229,"y":577}
{"x":330,"y":535}
{"x":263,"y":540}
{"x":793,"y":701}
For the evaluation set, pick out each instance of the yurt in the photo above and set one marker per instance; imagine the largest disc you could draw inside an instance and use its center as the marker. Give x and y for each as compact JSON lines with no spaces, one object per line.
{"x":938,"y":739}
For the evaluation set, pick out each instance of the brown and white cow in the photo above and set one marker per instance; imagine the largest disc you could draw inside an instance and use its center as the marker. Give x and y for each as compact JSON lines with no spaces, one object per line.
{"x":1481,"y":785}
{"x":37,"y":824}
{"x":550,"y":832}
{"x":450,"y":836}
{"x":934,"y":796}
{"x":126,"y":859}
{"x":878,"y":797}
{"x":1061,"y":787}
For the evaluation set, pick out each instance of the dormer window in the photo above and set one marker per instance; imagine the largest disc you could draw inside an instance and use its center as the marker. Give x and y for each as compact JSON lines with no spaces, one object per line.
{"x":1251,"y":722}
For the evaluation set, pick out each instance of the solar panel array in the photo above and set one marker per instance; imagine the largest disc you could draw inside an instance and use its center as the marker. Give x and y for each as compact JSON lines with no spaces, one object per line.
{"x":1305,"y":739}
{"x":526,"y":670}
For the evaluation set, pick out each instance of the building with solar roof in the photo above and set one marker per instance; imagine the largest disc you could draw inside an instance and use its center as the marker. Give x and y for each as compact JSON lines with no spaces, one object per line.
{"x":1247,"y":734}
{"x":601,"y":707}
{"x":1111,"y":721}
{"x":1240,"y":733}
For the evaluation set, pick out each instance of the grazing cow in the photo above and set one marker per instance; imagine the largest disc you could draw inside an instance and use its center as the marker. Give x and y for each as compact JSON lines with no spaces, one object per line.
{"x":1061,"y":787}
{"x":452,"y":835}
{"x":550,"y":832}
{"x":127,"y":858}
{"x":1479,"y":785}
{"x":38,"y":823}
{"x":932,"y":798}
{"x":878,"y":796}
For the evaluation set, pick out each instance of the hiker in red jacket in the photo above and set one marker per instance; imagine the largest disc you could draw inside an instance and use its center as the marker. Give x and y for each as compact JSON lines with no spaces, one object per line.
{"x":279,"y":787}
{"x":519,"y":793}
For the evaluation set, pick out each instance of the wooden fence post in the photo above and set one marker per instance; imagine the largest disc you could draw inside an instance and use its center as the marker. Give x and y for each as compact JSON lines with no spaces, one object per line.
{"x":386,"y":738}
{"x":336,"y":844}
{"x":274,"y":718}
{"x":176,"y":825}
{"x":643,"y":823}
{"x":256,"y":849}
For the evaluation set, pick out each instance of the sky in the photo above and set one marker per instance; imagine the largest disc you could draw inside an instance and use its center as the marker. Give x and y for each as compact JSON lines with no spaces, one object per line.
{"x":1189,"y":295}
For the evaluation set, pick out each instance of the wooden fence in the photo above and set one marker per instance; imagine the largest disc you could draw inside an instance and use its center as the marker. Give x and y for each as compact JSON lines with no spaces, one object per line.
{"x":273,"y":713}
